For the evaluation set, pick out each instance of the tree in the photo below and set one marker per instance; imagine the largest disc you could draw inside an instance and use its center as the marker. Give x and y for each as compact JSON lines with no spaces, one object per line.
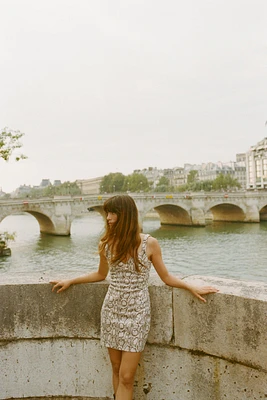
{"x":192,"y":176}
{"x":163,"y":185}
{"x":225,"y":181}
{"x":113,"y":182}
{"x":65,"y":189}
{"x":7,"y":237}
{"x":136,"y":182}
{"x":9,"y":143}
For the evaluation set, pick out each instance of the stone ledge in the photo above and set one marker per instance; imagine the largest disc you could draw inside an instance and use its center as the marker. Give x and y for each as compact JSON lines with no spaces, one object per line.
{"x":205,"y":351}
{"x":231,"y":325}
{"x":32,"y":310}
{"x":60,"y":398}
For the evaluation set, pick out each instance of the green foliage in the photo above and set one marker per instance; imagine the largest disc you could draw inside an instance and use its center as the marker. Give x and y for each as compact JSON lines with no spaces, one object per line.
{"x":164,"y":181}
{"x":6,"y":237}
{"x":112,"y":183}
{"x":119,"y":183}
{"x":65,"y":189}
{"x":225,"y":181}
{"x":182,"y":188}
{"x":163,"y":185}
{"x":136,"y":182}
{"x":9,"y":143}
{"x":222,"y":182}
{"x":192,"y":176}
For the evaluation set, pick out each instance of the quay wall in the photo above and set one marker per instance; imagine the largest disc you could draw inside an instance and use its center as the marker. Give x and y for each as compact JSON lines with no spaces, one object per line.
{"x":50,"y":343}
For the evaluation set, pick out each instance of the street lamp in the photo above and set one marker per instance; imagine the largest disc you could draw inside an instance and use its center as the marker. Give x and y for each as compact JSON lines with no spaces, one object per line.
{"x":141,"y":186}
{"x":113,"y":188}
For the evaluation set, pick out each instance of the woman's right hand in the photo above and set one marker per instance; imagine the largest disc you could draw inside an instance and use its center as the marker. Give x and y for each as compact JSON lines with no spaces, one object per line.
{"x":60,"y":285}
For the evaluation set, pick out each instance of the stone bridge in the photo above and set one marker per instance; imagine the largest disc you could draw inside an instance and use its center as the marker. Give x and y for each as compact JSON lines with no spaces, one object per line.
{"x":55,"y":215}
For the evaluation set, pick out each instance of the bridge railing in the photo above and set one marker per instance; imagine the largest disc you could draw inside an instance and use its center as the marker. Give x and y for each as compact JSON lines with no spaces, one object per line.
{"x":136,"y":195}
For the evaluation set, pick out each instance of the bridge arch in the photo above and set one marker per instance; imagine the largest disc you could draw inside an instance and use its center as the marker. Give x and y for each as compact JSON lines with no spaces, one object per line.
{"x":225,"y":212}
{"x":263,"y":213}
{"x":170,"y":214}
{"x":99,"y":209}
{"x":45,"y":223}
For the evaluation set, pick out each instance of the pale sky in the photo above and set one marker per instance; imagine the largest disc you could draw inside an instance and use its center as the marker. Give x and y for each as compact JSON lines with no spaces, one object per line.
{"x":112,"y":86}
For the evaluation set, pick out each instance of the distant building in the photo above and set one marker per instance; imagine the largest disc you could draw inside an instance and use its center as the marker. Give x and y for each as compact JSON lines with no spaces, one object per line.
{"x":256,"y":164}
{"x":178,"y":177}
{"x":57,"y":182}
{"x":241,"y":170}
{"x":241,"y":157}
{"x":90,"y":186}
{"x":45,"y":183}
{"x":152,"y":174}
{"x":22,"y":190}
{"x":210,"y":171}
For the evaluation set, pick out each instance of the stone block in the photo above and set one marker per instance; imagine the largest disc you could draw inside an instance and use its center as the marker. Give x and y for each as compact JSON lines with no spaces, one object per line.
{"x":59,"y":367}
{"x":34,"y":311}
{"x":191,"y":376}
{"x":232,"y":324}
{"x":161,"y":312}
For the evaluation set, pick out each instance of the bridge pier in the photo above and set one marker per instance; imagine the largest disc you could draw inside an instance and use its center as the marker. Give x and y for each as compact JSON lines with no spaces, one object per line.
{"x":198,"y":217}
{"x":60,"y":226}
{"x":252,"y":214}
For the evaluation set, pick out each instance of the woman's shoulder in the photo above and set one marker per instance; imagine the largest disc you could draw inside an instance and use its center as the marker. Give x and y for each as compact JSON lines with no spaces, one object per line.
{"x":151,"y":245}
{"x":150,"y":239}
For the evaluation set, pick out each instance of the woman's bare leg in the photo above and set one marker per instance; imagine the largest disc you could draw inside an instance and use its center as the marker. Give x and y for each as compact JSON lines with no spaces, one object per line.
{"x":115,"y":358}
{"x":128,"y":366}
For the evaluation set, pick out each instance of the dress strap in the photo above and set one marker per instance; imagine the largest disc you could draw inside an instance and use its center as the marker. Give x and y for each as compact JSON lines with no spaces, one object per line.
{"x":107,"y":252}
{"x":145,"y":242}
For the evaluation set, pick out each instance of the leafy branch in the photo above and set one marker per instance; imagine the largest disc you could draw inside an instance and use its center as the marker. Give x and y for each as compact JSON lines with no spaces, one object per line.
{"x":6,"y":237}
{"x":9,"y":143}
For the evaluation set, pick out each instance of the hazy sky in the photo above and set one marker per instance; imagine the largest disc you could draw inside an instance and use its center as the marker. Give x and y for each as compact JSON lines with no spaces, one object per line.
{"x":112,"y":86}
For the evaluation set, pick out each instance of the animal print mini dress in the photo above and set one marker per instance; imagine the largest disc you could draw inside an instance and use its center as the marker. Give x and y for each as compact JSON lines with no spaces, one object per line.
{"x":125,"y":314}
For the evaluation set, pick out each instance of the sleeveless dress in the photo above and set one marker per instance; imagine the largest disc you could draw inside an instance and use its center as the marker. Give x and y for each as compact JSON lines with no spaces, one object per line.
{"x":125,"y":314}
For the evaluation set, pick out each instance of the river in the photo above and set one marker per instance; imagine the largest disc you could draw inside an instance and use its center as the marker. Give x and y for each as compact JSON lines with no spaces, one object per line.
{"x":229,"y":250}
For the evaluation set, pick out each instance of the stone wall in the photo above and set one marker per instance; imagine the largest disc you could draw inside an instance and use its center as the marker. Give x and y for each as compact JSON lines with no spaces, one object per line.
{"x":50,"y":348}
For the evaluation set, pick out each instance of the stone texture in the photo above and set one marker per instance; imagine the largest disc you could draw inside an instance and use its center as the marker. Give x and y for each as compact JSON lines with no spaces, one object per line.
{"x":50,"y":348}
{"x":230,"y":325}
{"x":175,"y":374}
{"x":55,"y":367}
{"x":33,"y":311}
{"x":161,"y":312}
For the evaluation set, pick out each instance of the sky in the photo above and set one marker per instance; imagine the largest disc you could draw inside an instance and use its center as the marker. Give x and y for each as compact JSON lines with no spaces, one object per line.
{"x":113,"y":86}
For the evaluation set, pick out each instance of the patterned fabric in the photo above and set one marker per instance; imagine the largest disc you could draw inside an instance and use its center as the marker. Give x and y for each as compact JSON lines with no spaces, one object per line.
{"x":125,"y":315}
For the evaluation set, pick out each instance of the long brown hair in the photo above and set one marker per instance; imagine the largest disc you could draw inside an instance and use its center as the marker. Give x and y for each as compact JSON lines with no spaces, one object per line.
{"x":124,"y":236}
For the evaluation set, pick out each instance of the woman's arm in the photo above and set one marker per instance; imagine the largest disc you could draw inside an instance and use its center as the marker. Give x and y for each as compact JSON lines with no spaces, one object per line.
{"x":154,"y":254}
{"x":96,"y":276}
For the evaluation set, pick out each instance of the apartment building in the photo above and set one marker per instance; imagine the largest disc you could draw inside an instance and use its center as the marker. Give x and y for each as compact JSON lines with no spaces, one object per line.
{"x":256,"y":163}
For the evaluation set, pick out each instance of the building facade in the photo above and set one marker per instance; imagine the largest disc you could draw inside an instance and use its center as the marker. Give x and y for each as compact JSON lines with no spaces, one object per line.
{"x":90,"y":186}
{"x":256,"y":163}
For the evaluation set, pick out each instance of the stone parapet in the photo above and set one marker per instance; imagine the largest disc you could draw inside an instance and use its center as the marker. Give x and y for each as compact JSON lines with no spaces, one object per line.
{"x":50,"y":347}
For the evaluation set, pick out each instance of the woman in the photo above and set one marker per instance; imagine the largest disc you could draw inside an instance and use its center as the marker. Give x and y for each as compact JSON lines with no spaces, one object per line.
{"x":127,"y":254}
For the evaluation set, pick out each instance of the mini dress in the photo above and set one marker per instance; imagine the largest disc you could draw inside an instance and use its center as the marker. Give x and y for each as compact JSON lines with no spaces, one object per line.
{"x":125,"y":314}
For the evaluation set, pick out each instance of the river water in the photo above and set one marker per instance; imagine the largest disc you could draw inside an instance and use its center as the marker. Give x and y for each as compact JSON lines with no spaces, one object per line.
{"x":230,"y":250}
